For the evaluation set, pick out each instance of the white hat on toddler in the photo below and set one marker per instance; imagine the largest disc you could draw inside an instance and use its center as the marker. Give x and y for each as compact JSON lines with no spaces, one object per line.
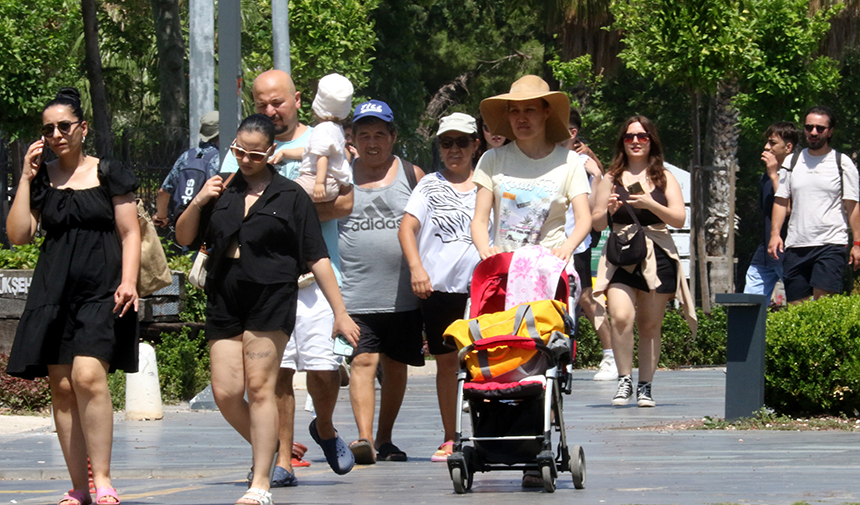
{"x":334,"y":97}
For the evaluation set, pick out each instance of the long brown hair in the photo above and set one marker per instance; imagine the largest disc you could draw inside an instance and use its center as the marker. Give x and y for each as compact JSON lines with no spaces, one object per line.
{"x":656,"y":172}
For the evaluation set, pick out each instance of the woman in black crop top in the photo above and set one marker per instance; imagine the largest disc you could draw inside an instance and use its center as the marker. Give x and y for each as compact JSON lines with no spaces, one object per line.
{"x":637,"y":178}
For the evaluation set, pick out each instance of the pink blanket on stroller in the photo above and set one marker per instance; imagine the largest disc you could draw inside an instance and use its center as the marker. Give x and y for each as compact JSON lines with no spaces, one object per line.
{"x":533,"y":276}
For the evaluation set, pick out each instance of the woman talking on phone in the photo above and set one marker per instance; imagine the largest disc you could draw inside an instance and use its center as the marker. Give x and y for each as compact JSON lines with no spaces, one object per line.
{"x":80,"y":321}
{"x":638,"y":190}
{"x":262,"y":232}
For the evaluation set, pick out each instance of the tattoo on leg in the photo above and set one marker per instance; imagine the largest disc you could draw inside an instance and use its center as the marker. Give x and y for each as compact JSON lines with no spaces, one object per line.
{"x":258,"y":355}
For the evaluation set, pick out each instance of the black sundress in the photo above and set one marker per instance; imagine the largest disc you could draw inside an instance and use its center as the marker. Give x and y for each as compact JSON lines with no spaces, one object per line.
{"x":69,"y":310}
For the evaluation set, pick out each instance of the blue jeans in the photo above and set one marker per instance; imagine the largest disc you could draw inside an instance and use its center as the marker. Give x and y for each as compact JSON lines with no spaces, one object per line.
{"x":763,"y":273}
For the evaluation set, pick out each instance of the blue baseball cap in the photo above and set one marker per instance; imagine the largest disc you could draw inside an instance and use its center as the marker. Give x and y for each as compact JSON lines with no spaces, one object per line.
{"x":373,"y":108}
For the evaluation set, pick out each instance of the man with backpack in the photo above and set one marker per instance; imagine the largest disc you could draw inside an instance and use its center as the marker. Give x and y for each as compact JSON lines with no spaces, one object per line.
{"x":822,"y":186}
{"x":763,"y":273}
{"x":192,"y":169}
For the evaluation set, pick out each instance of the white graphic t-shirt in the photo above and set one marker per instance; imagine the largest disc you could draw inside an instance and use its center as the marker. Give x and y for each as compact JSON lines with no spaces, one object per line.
{"x":530,"y":196}
{"x":444,"y":239}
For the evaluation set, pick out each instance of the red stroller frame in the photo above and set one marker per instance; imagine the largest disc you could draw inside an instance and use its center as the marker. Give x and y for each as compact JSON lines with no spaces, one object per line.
{"x":513,"y":423}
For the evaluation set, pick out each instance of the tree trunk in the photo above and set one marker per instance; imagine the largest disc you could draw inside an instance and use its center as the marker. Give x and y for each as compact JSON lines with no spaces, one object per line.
{"x":101,"y":127}
{"x":697,"y":234}
{"x":721,"y":143}
{"x":171,"y":62}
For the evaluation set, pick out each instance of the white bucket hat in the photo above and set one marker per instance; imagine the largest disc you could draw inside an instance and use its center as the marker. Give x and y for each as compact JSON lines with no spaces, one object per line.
{"x":334,"y":97}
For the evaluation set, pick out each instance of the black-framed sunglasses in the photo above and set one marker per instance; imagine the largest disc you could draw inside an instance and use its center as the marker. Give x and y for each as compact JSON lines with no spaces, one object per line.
{"x":643,"y":137}
{"x":813,"y":127}
{"x":448,"y":142}
{"x":64,"y":126}
{"x":254,"y":156}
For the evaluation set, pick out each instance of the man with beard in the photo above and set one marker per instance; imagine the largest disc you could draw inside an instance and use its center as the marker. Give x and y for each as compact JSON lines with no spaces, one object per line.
{"x":822,"y":185}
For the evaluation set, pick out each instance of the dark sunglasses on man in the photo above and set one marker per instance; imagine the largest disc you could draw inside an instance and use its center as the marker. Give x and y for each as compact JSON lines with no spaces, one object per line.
{"x":64,"y":126}
{"x":813,"y":127}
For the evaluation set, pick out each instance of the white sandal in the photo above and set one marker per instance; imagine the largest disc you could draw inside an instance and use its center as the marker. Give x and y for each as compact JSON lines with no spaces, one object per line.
{"x":258,"y":496}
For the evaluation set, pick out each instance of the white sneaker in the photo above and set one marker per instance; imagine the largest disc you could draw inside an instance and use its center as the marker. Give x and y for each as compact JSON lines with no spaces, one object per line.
{"x":607,"y":371}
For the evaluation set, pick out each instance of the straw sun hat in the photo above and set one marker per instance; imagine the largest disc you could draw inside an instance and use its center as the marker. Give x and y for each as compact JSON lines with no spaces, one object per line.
{"x":494,"y":110}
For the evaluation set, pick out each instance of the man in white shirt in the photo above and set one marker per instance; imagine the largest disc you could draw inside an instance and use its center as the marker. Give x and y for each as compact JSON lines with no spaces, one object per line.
{"x":822,"y":185}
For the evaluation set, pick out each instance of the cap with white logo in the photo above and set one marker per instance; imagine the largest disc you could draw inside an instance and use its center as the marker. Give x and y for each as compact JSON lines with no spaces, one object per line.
{"x":373,"y":108}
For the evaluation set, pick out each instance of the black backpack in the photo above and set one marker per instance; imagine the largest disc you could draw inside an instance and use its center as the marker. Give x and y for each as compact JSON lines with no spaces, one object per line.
{"x":191,"y":178}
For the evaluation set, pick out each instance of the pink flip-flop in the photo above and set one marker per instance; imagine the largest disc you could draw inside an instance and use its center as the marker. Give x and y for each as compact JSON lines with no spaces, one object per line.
{"x":106,"y":492}
{"x":441,"y":454}
{"x":76,"y":496}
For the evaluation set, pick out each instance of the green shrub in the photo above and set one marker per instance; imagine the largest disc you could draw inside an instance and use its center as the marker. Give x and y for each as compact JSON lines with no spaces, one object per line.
{"x":679,"y":348}
{"x":22,"y":395}
{"x":22,"y":257}
{"x":813,"y":357}
{"x":183,"y":365}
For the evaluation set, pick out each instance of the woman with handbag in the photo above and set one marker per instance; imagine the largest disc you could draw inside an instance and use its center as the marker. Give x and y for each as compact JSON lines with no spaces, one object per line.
{"x":639,"y":271}
{"x":80,"y":321}
{"x":262,"y":232}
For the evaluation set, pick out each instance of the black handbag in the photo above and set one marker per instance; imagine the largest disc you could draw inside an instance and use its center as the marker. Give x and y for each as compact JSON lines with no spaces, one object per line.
{"x":626,"y":252}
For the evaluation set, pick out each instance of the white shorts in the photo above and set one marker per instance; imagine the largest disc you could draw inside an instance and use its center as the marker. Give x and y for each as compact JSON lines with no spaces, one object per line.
{"x":310,"y":345}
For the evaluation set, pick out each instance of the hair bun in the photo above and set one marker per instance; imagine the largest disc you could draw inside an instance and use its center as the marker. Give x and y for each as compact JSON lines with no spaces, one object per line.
{"x":72,"y":93}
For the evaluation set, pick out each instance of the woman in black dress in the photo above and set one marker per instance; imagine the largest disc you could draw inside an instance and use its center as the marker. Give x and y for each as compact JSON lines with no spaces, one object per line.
{"x":262,"y":233}
{"x":80,"y":320}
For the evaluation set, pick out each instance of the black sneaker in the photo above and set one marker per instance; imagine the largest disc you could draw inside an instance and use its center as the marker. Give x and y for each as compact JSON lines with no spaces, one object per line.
{"x":643,"y":394}
{"x":625,"y":390}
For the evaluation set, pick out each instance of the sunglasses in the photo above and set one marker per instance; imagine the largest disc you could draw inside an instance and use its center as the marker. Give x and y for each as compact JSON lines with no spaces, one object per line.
{"x":64,"y":126}
{"x":813,"y":127}
{"x":642,"y":137}
{"x":448,"y":142}
{"x":254,"y":156}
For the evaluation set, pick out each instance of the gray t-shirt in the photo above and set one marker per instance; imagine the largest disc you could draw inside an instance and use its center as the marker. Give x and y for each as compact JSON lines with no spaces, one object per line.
{"x":376,"y":277}
{"x":817,"y":216}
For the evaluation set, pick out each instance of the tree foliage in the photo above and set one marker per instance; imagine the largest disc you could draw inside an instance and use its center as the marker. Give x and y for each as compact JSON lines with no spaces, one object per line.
{"x":39,"y":49}
{"x":325,"y":37}
{"x":693,"y":44}
{"x":787,"y":78}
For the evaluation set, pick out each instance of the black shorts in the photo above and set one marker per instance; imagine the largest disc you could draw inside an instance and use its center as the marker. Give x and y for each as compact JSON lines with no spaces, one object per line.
{"x":667,"y":272}
{"x":439,"y":311}
{"x":234,"y":305}
{"x":395,"y":334}
{"x":819,"y":267}
{"x":582,"y":265}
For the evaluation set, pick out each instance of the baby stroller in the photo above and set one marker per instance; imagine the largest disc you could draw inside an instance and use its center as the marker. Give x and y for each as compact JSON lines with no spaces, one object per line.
{"x":514,"y":366}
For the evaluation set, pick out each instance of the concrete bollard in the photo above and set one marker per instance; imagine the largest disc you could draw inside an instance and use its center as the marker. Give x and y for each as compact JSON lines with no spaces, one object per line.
{"x":142,"y":391}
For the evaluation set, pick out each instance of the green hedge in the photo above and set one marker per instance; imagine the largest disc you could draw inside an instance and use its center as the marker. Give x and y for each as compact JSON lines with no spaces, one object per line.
{"x":813,"y":357}
{"x":679,"y":347}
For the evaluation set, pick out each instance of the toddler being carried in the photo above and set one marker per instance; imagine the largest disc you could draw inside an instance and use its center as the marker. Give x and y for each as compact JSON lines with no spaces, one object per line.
{"x":324,"y":166}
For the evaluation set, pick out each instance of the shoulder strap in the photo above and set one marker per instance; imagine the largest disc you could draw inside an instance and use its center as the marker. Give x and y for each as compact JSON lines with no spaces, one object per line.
{"x":409,"y":169}
{"x":794,"y":158}
{"x":839,"y":167}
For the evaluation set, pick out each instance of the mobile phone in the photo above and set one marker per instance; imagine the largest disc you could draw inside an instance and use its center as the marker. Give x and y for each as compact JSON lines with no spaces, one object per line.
{"x":342,"y":347}
{"x":635,"y":188}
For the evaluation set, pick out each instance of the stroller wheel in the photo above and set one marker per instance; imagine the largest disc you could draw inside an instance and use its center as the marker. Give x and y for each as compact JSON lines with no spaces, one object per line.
{"x":548,"y":475}
{"x":577,"y":467}
{"x":459,"y":480}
